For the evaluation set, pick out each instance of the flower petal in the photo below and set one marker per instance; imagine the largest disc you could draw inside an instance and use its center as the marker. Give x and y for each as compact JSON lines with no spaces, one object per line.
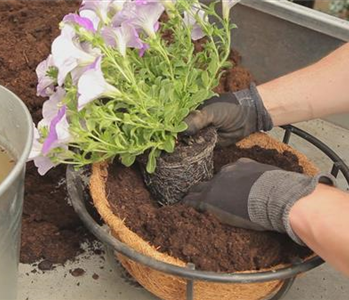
{"x":144,"y":48}
{"x":118,"y":5}
{"x":190,"y":21}
{"x":92,"y":85}
{"x":122,"y":37}
{"x":142,"y":14}
{"x":82,"y":21}
{"x":100,"y":8}
{"x":68,"y":54}
{"x":58,"y":132}
{"x":92,"y":16}
{"x":226,"y":7}
{"x":45,"y":83}
{"x":36,"y":146}
{"x":44,"y":164}
{"x":50,"y":107}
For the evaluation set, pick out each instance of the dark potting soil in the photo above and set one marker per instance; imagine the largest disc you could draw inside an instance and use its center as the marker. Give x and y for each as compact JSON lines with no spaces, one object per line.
{"x":286,"y":160}
{"x":196,"y":237}
{"x":51,"y":230}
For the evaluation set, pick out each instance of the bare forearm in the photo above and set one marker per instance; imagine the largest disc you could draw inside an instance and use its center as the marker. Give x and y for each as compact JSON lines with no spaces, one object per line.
{"x":318,"y":90}
{"x":321,"y":221}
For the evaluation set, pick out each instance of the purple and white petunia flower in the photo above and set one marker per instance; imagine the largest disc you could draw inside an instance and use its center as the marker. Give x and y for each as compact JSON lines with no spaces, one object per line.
{"x":122,"y":37}
{"x":141,"y":14}
{"x":226,"y":7}
{"x":168,"y":4}
{"x":190,"y":20}
{"x":54,"y":118}
{"x":68,"y":53}
{"x":43,"y":163}
{"x":92,"y":85}
{"x":100,"y":7}
{"x":86,"y":23}
{"x":36,"y":146}
{"x":46,"y":83}
{"x":58,"y":132}
{"x":92,"y":16}
{"x":118,"y":5}
{"x":142,"y":2}
{"x":51,"y":107}
{"x":144,"y":48}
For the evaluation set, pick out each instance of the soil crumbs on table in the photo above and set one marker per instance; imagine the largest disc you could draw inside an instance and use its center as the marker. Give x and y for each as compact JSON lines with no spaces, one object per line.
{"x":50,"y":230}
{"x":196,"y":237}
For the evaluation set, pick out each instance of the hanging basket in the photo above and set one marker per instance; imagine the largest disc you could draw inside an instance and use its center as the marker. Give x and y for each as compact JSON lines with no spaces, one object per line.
{"x":169,"y":287}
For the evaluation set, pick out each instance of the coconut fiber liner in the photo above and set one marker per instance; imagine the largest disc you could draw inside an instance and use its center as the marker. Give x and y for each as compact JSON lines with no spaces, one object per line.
{"x":169,"y":287}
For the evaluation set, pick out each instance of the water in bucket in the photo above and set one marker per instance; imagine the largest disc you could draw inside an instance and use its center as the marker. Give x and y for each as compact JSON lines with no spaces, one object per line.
{"x":6,"y":163}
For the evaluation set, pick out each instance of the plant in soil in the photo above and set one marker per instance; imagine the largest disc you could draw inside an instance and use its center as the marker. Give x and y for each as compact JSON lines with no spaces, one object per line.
{"x":120,"y":81}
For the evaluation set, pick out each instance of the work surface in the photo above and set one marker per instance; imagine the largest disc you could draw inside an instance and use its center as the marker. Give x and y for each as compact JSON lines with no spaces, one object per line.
{"x":103,"y":279}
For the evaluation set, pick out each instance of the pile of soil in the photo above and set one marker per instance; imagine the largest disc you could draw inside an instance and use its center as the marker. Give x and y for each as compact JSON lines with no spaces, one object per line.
{"x":51,"y":230}
{"x":197,"y":237}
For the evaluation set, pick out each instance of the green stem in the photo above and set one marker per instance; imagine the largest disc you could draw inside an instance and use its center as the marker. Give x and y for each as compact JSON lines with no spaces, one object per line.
{"x":163,"y":52}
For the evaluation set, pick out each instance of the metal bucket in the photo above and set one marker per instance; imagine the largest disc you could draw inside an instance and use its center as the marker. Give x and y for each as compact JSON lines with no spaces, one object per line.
{"x":16,"y":136}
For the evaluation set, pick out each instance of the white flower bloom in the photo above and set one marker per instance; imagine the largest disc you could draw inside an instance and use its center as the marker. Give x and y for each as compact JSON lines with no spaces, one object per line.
{"x":51,"y":107}
{"x":99,"y":7}
{"x":142,"y":15}
{"x":68,"y":54}
{"x":122,"y":37}
{"x":45,"y":86}
{"x":190,"y":21}
{"x":92,"y":85}
{"x":226,"y":7}
{"x":43,"y":163}
{"x":118,"y":5}
{"x":92,"y":16}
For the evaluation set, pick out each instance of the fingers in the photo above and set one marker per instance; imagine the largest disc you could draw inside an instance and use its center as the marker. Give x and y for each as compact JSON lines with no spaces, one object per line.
{"x":239,"y":165}
{"x":196,"y":121}
{"x":226,"y":139}
{"x":196,"y":195}
{"x":194,"y":200}
{"x":199,"y":187}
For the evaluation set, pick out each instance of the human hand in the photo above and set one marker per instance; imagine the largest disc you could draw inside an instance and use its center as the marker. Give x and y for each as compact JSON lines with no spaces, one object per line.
{"x":234,"y":115}
{"x":255,"y":196}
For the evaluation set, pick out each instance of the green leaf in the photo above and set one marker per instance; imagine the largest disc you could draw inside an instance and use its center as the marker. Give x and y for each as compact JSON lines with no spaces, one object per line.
{"x":181,"y":127}
{"x":168,"y":145}
{"x":151,"y":164}
{"x":200,"y":96}
{"x":127,"y":159}
{"x":90,"y":124}
{"x":205,"y":78}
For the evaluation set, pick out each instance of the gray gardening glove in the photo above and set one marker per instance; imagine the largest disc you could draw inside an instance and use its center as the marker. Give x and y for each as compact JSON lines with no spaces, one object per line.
{"x":252,"y":195}
{"x":235,"y":116}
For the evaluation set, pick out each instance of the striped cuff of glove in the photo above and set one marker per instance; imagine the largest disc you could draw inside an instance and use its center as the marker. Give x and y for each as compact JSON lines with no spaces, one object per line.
{"x":273,"y":195}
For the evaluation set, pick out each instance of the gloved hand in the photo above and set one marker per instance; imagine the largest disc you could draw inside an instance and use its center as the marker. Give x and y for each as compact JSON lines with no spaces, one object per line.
{"x":234,"y":115}
{"x":256,"y":196}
